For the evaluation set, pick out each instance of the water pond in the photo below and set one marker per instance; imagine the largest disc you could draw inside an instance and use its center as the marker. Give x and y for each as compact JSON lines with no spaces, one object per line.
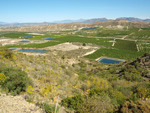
{"x":24,"y":41}
{"x":27,"y":36}
{"x":106,"y":60}
{"x":33,"y":50}
{"x":89,"y":28}
{"x":12,"y":49}
{"x":48,"y":38}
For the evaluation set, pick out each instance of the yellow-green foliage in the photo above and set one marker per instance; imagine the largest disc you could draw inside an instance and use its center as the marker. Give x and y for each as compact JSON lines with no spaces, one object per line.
{"x":143,"y":92}
{"x":6,"y":53}
{"x":30,"y":90}
{"x":2,"y":78}
{"x":98,"y":83}
{"x":46,"y":90}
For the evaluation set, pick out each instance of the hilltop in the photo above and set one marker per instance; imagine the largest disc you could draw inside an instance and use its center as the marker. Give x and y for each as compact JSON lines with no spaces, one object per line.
{"x":75,"y":26}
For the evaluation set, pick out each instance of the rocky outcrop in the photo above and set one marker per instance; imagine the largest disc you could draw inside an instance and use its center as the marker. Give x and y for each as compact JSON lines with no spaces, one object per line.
{"x":143,"y":64}
{"x":143,"y":61}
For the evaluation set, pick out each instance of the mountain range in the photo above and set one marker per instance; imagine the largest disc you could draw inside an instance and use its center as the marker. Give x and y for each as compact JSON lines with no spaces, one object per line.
{"x":77,"y":26}
{"x":94,"y":20}
{"x":132,"y":19}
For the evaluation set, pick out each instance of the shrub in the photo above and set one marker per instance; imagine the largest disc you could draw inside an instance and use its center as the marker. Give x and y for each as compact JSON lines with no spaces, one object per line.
{"x":142,"y":91}
{"x":99,"y":83}
{"x":6,"y":53}
{"x":131,"y":107}
{"x":46,"y":90}
{"x":2,"y":78}
{"x":117,"y":97}
{"x":95,"y":91}
{"x":17,"y":80}
{"x":97,"y":104}
{"x":73,"y":102}
{"x":133,"y":76}
{"x":30,"y":90}
{"x":49,"y":108}
{"x":84,"y":44}
{"x":83,"y":77}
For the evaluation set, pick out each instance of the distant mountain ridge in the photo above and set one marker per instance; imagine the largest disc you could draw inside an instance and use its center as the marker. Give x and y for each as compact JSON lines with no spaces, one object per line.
{"x":132,"y":19}
{"x":77,"y":26}
{"x":2,"y":23}
{"x":68,"y":21}
{"x":94,"y":20}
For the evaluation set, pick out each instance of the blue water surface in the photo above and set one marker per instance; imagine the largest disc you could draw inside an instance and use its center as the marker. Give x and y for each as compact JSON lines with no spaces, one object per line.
{"x":49,"y":38}
{"x":25,"y":41}
{"x":12,"y":49}
{"x":33,"y":50}
{"x":27,"y":36}
{"x":89,"y":28}
{"x":109,"y":61}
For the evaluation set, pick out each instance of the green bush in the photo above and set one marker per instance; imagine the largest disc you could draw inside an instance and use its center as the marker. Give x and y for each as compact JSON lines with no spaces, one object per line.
{"x":83,"y":77}
{"x":73,"y":102}
{"x":95,"y":91}
{"x":49,"y":108}
{"x":97,"y":104}
{"x":117,"y":97}
{"x":16,"y":80}
{"x":133,"y":76}
{"x":6,"y":53}
{"x":142,"y":91}
{"x":134,"y":107}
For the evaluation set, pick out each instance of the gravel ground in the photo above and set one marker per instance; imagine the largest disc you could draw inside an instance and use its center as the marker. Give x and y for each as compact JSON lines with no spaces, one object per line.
{"x":16,"y":104}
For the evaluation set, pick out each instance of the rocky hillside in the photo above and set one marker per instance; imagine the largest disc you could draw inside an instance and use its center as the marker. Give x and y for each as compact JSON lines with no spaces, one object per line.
{"x":143,"y":63}
{"x":17,"y":104}
{"x":74,"y":26}
{"x":138,"y":70}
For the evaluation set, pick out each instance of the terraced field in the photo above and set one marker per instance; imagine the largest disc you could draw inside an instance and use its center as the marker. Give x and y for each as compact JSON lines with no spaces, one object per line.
{"x":126,"y":45}
{"x":14,"y":34}
{"x":97,"y":41}
{"x":115,"y":53}
{"x":34,"y":45}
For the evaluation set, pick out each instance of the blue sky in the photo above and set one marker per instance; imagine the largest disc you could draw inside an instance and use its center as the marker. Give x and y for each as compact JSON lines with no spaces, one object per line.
{"x":55,"y":10}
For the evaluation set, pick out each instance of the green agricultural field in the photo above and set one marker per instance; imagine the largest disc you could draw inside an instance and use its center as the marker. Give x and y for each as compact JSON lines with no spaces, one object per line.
{"x":42,"y":37}
{"x":131,"y":33}
{"x":34,"y":45}
{"x":113,"y":33}
{"x":141,"y":34}
{"x":14,"y":34}
{"x":145,"y":47}
{"x":126,"y":45}
{"x":97,"y":41}
{"x":115,"y":53}
{"x":103,"y":32}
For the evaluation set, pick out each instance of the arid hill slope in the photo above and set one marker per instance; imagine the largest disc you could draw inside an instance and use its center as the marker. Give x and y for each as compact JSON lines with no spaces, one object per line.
{"x":74,"y":26}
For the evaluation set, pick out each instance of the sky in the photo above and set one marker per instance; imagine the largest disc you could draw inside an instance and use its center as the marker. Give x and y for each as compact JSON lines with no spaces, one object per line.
{"x":54,"y":10}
